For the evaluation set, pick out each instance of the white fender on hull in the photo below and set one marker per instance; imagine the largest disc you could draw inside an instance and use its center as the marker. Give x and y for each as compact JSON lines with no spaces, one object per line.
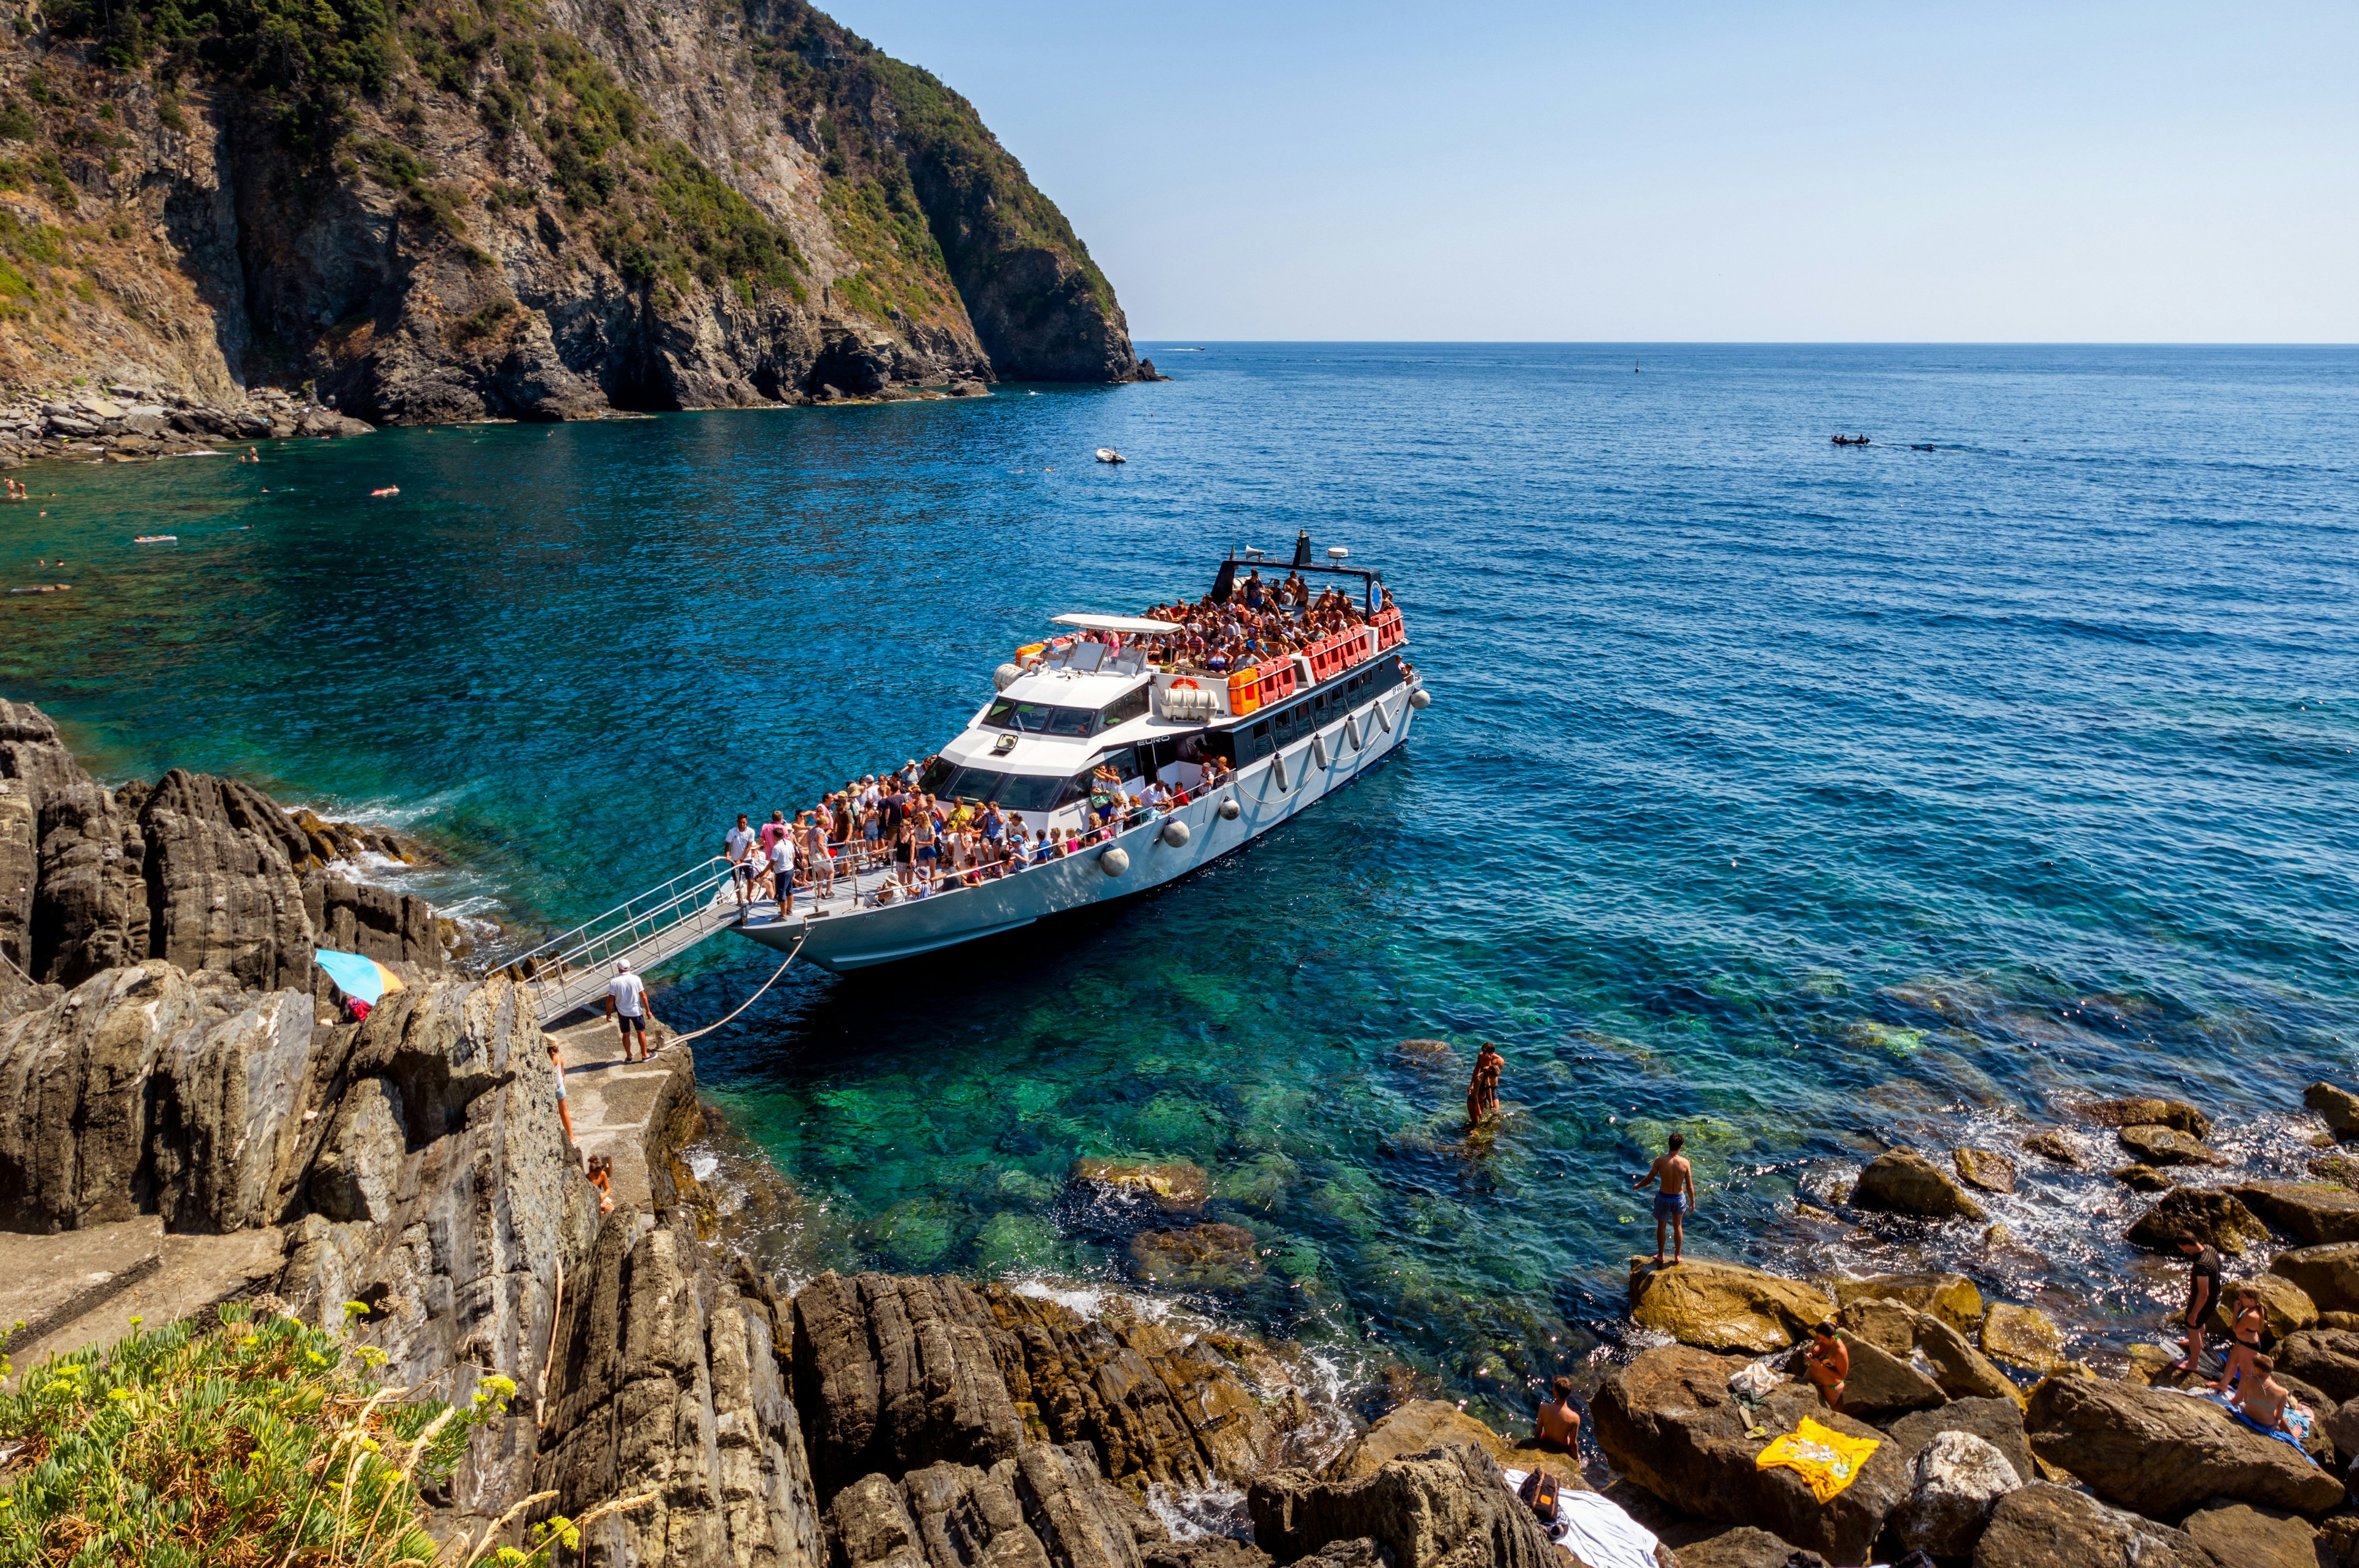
{"x":1113,"y":862}
{"x":1230,"y":808}
{"x":1004,"y":676}
{"x":1420,"y":699}
{"x":1175,"y":833}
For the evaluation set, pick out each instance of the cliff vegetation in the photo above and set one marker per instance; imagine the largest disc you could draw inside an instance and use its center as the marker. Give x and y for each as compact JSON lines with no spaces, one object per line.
{"x":435,"y":210}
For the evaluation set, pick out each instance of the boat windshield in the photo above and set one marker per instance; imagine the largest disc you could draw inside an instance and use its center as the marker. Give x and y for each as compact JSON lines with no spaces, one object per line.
{"x":1040,"y":718}
{"x":1013,"y":792}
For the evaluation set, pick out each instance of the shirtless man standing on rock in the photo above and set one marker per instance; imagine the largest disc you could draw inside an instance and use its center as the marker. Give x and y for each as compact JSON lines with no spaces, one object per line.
{"x":1673,"y":1197}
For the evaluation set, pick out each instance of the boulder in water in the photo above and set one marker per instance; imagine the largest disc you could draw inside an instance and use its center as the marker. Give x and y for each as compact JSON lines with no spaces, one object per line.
{"x":2317,"y":1214}
{"x":2044,"y":1526}
{"x":1992,"y":1172}
{"x":2214,"y":1216}
{"x":1723,"y":1306}
{"x":1959,"y":1480}
{"x":2051,"y":1145}
{"x":1904,"y":1182}
{"x":2163,"y":1453}
{"x":2339,"y":1106}
{"x":2146,"y":1112}
{"x":2328,"y":1275}
{"x":2166,"y":1146}
{"x":2023,"y":1336}
{"x":1952,"y":1298}
{"x":2144,"y":1179}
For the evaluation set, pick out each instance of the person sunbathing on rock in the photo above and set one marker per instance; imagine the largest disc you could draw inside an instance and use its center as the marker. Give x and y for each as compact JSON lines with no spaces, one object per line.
{"x":1827,"y":1363}
{"x":2246,"y":1320}
{"x":2262,"y":1398}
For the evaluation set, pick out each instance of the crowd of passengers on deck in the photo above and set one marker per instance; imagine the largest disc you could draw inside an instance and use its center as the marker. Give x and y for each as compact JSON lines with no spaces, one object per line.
{"x":922,"y":845}
{"x":1258,"y":622}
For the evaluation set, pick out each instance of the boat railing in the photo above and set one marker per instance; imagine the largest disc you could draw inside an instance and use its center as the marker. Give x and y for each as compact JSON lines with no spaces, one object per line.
{"x":635,"y":924}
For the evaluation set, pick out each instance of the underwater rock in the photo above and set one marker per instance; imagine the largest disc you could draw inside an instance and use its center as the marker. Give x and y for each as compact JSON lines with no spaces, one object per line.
{"x":1982,"y":1168}
{"x":2148,"y":1112}
{"x":2023,"y":1336}
{"x":1723,"y":1306}
{"x":1904,"y":1182}
{"x":1175,"y":1186}
{"x":2216,"y":1218}
{"x":2166,"y":1146}
{"x":1203,"y":1256}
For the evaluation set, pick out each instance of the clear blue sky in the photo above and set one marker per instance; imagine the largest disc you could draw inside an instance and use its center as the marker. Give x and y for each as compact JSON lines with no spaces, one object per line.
{"x":1497,"y":170}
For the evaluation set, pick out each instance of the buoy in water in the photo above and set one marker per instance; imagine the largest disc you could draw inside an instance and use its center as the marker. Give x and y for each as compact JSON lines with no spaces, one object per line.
{"x":1108,"y":455}
{"x":1114,"y":860}
{"x":1175,"y":833}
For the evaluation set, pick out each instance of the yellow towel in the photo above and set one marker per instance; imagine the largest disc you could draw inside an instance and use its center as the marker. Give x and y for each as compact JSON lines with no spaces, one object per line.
{"x":1826,"y":1458}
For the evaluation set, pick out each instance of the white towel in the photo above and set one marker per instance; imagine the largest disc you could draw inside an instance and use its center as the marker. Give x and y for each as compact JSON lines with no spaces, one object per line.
{"x":1597,"y":1531}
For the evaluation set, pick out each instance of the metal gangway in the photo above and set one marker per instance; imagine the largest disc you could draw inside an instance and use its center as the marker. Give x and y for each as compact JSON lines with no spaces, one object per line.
{"x":570,"y":971}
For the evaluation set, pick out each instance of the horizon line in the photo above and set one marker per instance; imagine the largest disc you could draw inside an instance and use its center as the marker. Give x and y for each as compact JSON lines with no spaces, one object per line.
{"x":1756,"y":342}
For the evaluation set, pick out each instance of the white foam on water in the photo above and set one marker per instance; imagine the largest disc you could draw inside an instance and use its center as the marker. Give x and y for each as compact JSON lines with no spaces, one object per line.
{"x":703,"y":1166}
{"x":1198,"y":1513}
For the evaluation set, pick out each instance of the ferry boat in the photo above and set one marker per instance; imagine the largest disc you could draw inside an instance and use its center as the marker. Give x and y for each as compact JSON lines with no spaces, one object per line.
{"x":1279,"y":737}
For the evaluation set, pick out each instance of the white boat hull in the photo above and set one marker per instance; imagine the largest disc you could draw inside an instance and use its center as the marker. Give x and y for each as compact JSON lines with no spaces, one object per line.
{"x":841,"y":935}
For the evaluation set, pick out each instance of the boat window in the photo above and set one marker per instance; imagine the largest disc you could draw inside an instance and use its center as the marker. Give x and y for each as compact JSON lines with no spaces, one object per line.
{"x":1122,"y":760}
{"x":1014,"y":791}
{"x":1130,"y":705}
{"x":1043,"y":719}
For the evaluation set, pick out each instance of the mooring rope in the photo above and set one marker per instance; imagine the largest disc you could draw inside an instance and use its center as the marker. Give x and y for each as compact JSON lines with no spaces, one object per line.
{"x":684,"y":1039}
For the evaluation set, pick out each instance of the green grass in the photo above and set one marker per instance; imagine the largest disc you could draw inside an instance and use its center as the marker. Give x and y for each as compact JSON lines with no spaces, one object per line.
{"x":228,"y":1445}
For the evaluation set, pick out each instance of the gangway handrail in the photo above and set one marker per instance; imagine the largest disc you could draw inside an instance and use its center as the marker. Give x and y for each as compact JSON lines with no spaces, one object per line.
{"x":637,"y":919}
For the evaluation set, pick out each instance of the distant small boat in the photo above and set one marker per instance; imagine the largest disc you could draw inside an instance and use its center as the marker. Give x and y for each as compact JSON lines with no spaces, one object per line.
{"x":388,"y":490}
{"x":157,"y":539}
{"x":1915,"y":447}
{"x":1108,"y":455}
{"x":1850,"y":440}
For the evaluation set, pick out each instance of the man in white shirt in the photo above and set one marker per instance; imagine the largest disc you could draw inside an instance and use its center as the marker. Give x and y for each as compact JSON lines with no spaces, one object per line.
{"x":626,"y":1004}
{"x":739,"y":845}
{"x":782,"y":873}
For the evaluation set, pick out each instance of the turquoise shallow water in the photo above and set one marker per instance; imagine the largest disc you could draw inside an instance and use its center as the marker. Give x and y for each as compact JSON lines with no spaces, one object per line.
{"x":1801,"y":797}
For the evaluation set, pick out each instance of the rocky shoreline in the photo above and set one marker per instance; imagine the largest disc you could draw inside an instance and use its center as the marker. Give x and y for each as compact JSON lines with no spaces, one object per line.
{"x":183,"y":1120}
{"x":129,"y":424}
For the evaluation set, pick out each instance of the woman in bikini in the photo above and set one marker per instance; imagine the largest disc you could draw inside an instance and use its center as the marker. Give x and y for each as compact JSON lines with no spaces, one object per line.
{"x":2246,"y":1322}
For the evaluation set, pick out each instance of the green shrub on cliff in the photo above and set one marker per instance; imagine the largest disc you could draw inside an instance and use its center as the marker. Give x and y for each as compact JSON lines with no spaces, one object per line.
{"x":235,"y":1443}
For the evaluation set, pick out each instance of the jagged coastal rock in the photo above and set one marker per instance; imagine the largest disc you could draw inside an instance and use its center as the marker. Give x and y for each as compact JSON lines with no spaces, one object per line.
{"x":168,"y":1074}
{"x":404,"y":215}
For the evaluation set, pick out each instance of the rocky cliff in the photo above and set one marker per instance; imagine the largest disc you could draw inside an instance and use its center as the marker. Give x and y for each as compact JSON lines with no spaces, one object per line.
{"x":433,"y":211}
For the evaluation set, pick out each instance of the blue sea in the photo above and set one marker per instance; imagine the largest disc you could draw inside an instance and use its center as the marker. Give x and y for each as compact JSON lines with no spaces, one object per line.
{"x":1808,"y":799}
